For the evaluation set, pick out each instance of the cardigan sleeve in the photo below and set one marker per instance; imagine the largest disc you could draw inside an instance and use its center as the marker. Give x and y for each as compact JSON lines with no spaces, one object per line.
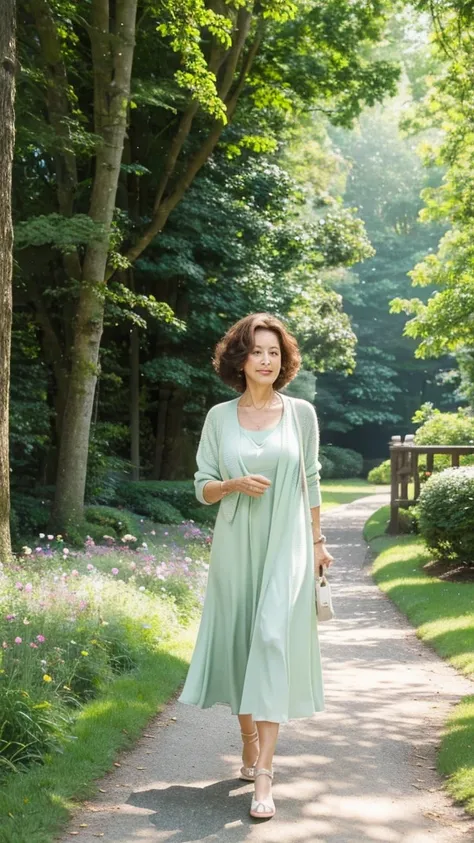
{"x":311,"y":456}
{"x":207,"y":457}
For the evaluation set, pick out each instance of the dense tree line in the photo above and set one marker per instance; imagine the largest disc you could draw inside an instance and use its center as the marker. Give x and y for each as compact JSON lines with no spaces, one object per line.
{"x":152,"y":204}
{"x":175,"y":169}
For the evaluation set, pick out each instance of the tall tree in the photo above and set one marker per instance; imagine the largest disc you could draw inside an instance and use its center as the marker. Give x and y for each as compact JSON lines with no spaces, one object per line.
{"x":7,"y":139}
{"x":112,"y":34}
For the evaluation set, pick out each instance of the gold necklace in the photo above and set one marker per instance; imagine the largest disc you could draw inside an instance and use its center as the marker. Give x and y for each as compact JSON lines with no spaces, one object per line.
{"x":255,"y":407}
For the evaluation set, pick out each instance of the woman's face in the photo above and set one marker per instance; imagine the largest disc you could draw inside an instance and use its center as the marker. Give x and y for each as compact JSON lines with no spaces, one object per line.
{"x":263,"y":363}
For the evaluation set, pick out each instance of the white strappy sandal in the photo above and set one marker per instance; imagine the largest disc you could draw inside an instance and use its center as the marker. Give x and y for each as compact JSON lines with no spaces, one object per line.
{"x":248,"y":773}
{"x":263,"y":809}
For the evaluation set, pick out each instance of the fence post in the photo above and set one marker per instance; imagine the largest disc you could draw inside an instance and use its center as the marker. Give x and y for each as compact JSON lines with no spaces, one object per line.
{"x":394,"y":445}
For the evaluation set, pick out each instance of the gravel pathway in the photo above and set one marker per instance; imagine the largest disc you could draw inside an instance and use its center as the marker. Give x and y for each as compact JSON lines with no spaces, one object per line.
{"x":363,"y":770}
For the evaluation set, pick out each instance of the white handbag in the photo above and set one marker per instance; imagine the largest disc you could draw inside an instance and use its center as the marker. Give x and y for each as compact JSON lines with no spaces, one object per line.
{"x":324,"y":608}
{"x":322,"y":588}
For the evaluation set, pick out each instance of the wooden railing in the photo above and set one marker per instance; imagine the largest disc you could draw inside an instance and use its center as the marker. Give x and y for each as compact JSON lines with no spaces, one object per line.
{"x":404,"y":468}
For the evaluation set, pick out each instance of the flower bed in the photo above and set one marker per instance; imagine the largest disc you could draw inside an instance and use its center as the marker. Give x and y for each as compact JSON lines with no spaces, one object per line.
{"x":72,"y":621}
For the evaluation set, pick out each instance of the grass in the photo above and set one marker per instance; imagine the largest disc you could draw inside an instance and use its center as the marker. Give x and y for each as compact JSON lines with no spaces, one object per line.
{"x":443,"y":614}
{"x":337,"y":492}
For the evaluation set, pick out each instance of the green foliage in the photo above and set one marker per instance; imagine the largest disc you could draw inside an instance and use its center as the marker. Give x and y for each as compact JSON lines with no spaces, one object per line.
{"x":145,"y":501}
{"x":105,"y":470}
{"x":327,"y":466}
{"x":446,"y":515}
{"x":62,"y":233}
{"x":346,"y":462}
{"x":381,"y":473}
{"x":446,"y":428}
{"x":113,"y":522}
{"x":442,"y":323}
{"x":31,"y":515}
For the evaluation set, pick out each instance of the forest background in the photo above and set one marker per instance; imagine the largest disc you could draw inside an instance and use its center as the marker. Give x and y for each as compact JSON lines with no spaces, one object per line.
{"x":179,"y":169}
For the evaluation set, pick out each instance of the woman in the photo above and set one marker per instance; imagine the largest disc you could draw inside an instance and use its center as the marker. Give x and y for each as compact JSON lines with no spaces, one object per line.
{"x":257,"y":648}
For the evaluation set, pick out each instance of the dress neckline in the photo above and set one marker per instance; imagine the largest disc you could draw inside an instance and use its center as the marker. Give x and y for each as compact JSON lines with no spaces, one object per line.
{"x":263,"y":429}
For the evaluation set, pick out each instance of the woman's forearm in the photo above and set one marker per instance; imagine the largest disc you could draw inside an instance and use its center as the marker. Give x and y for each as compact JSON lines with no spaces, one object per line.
{"x":316,"y":521}
{"x":215,"y":490}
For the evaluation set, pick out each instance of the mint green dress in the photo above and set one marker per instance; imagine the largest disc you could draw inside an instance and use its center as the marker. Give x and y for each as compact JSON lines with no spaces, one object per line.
{"x":257,"y":648}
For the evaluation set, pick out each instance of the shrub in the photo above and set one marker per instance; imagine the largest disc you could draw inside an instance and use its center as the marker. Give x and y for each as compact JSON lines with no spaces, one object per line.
{"x":346,"y":462}
{"x":445,"y":429}
{"x":114,"y":522}
{"x":327,"y":466}
{"x":105,"y":471}
{"x":151,"y":499}
{"x":31,"y":514}
{"x":380,"y":474}
{"x":407,"y":520}
{"x":446,"y":514}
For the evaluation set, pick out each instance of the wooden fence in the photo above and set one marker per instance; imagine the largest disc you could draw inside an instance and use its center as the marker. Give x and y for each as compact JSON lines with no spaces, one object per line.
{"x":404,"y":468}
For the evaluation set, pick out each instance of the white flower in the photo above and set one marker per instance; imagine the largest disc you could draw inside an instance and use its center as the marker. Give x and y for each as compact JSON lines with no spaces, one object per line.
{"x":65,"y":551}
{"x":142,"y":588}
{"x":187,"y":559}
{"x":144,"y":544}
{"x":26,"y":550}
{"x":50,"y":538}
{"x":41,"y":535}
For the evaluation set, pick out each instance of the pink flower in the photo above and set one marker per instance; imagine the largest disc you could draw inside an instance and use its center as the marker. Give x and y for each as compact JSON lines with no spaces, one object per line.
{"x":133,"y":565}
{"x":166,"y":534}
{"x":19,"y":585}
{"x":28,"y":587}
{"x":41,"y":639}
{"x":18,"y":640}
{"x":65,"y":551}
{"x":11,"y":617}
{"x":33,"y":645}
{"x":90,"y":567}
{"x":50,"y":538}
{"x":74,"y":573}
{"x":115,"y":571}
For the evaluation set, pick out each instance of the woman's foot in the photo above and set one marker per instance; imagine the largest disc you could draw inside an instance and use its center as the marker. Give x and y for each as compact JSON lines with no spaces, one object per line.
{"x":249,"y":755}
{"x":263,"y":806}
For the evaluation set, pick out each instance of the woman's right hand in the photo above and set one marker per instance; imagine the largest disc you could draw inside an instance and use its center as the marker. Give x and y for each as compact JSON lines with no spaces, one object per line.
{"x":253,"y":485}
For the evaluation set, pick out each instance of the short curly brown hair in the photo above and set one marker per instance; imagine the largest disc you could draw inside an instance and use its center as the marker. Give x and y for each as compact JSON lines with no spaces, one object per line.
{"x":233,"y":349}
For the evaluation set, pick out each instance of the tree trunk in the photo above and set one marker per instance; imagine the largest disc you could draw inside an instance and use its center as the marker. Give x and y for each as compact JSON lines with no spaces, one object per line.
{"x":135,"y":402}
{"x":7,"y":139}
{"x":164,"y":394}
{"x":112,"y":56}
{"x":171,"y":462}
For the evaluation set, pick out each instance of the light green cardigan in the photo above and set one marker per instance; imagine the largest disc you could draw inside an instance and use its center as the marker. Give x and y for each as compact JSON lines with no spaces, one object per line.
{"x":217,"y":457}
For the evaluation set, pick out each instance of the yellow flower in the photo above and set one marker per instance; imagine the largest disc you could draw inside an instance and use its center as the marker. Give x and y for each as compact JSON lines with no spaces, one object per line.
{"x":84,"y":653}
{"x":66,"y":687}
{"x":47,"y":677}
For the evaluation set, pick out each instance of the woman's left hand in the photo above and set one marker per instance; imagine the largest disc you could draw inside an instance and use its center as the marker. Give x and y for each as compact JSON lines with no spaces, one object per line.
{"x":321,"y":557}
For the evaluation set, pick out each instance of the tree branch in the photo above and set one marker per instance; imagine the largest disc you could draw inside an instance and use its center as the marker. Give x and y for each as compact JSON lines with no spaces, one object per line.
{"x":164,"y":209}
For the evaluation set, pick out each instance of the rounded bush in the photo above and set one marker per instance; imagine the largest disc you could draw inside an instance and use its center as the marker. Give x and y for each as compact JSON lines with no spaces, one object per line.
{"x":347,"y":463}
{"x":380,"y":474}
{"x":445,"y":513}
{"x":327,"y":466}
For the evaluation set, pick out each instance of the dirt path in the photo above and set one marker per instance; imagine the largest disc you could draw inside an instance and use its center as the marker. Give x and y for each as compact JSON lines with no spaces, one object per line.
{"x":361,"y":771}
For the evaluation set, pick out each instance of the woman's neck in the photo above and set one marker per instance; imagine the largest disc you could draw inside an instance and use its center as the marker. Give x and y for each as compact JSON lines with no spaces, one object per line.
{"x":258,"y":395}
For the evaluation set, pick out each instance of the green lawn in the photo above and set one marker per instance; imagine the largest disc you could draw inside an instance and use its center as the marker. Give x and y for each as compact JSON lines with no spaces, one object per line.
{"x":443,"y":614}
{"x":336,"y":492}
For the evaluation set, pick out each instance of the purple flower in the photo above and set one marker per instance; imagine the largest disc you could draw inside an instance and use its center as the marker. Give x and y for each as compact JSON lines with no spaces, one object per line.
{"x":115,"y":571}
{"x":11,"y":617}
{"x":41,"y":639}
{"x":18,"y":640}
{"x":28,"y":587}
